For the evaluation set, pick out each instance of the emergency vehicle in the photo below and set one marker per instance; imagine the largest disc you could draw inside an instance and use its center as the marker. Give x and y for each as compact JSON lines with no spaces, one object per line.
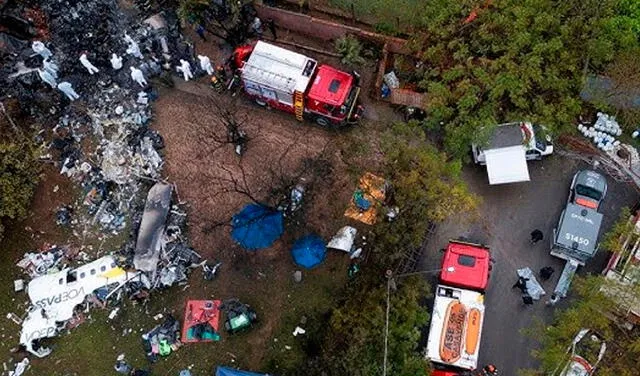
{"x":288,"y":81}
{"x":455,"y":332}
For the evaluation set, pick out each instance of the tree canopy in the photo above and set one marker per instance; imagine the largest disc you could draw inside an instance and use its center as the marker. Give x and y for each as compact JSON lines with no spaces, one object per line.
{"x":517,"y":60}
{"x":427,"y":188}
{"x":593,"y":310}
{"x":19,"y":167}
{"x":354,"y":344}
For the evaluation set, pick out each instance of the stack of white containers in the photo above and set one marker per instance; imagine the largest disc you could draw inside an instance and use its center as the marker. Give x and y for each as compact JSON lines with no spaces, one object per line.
{"x":603,"y":131}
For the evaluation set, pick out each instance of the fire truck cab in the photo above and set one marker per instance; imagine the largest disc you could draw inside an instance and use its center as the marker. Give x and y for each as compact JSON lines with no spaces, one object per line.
{"x":291,"y":82}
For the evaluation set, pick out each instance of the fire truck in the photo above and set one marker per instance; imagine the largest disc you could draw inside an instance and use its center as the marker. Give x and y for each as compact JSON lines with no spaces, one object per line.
{"x":278,"y":78}
{"x":453,"y":344}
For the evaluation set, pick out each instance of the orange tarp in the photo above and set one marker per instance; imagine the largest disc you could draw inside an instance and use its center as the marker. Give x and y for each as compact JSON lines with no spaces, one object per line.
{"x":373,"y":189}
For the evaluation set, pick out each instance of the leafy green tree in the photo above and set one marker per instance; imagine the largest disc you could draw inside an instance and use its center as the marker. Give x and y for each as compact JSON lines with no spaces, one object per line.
{"x":427,"y":188}
{"x":355,"y":338}
{"x":614,"y":239}
{"x":227,"y":20}
{"x":19,"y":168}
{"x":18,"y":179}
{"x":518,"y":60}
{"x":592,"y":309}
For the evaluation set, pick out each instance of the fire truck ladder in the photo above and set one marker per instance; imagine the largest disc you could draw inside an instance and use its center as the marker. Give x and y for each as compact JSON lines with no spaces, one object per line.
{"x":298,"y":104}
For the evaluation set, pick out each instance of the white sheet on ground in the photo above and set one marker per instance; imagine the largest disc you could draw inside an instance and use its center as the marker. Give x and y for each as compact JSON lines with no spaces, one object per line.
{"x":533,"y":287}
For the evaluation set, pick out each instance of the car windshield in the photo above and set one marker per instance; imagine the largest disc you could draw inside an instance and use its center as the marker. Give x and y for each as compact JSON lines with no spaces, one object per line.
{"x":465,"y":260}
{"x":583,"y":190}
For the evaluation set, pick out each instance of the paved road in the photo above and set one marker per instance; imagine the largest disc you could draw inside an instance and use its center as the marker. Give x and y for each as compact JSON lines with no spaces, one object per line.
{"x":508,"y":214}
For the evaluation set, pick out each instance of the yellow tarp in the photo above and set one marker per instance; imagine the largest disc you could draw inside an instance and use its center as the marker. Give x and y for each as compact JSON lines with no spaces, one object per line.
{"x":373,"y":189}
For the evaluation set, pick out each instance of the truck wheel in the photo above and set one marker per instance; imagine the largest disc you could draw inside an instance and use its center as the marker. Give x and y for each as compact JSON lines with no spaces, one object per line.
{"x":261,"y":102}
{"x":322,"y":121}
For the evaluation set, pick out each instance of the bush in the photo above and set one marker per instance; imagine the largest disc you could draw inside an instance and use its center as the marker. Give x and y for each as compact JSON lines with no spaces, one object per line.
{"x":350,"y":49}
{"x":19,"y":171}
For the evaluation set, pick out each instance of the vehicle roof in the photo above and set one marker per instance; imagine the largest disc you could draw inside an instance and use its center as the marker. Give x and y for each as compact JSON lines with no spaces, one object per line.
{"x":330,"y":86}
{"x":444,"y":296}
{"x":506,"y":135}
{"x":581,"y":222}
{"x":591,"y":179}
{"x":474,"y":277}
{"x":278,"y":68}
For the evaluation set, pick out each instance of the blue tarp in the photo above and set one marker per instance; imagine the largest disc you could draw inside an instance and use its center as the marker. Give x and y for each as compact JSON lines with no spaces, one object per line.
{"x":226,"y":371}
{"x":257,"y":226}
{"x":309,"y":251}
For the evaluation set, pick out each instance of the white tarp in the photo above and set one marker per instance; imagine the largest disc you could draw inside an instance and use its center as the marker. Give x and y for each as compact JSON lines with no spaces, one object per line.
{"x":533,"y":287}
{"x":343,"y":240}
{"x":507,"y":165}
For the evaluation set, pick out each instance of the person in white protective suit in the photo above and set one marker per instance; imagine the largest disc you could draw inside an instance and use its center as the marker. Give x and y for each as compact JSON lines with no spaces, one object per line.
{"x":67,"y":89}
{"x":116,"y":61}
{"x":185,"y":68}
{"x":205,"y":64}
{"x":87,"y":64}
{"x":50,"y":67}
{"x":48,"y":78}
{"x":133,"y":48}
{"x":39,"y":48}
{"x":137,"y":76}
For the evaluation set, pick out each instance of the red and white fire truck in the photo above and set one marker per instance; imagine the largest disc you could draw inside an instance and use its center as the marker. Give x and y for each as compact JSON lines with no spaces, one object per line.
{"x":458,"y":310}
{"x":294,"y":83}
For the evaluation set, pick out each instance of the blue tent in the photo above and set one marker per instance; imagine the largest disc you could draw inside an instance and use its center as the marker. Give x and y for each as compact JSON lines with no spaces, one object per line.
{"x":257,"y":226}
{"x":226,"y":371}
{"x":309,"y":251}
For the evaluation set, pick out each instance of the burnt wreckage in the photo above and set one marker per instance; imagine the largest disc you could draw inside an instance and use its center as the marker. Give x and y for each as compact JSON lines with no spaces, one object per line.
{"x":99,"y":138}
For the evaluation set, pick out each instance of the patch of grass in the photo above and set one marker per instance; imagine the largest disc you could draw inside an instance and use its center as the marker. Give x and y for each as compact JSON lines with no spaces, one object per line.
{"x":312,"y":300}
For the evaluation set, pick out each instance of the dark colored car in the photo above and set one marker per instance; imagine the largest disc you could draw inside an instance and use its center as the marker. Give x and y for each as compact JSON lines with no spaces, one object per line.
{"x":588,"y":189}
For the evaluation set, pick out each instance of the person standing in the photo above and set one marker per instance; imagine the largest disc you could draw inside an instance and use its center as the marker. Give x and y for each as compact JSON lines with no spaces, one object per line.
{"x":256,"y":26}
{"x":200,"y":31}
{"x":116,"y":61}
{"x":272,"y":28}
{"x":546,"y":273}
{"x":553,"y":300}
{"x":521,"y":284}
{"x":47,"y":77}
{"x":205,"y":64}
{"x":122,"y":367}
{"x":87,"y":64}
{"x":536,"y":236}
{"x":67,"y":89}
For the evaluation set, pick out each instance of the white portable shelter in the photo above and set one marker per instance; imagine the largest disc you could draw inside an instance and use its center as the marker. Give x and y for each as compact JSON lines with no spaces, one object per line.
{"x":507,"y":165}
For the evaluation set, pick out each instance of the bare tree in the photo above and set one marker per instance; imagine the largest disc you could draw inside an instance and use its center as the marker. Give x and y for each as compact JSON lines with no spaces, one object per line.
{"x":275,"y":184}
